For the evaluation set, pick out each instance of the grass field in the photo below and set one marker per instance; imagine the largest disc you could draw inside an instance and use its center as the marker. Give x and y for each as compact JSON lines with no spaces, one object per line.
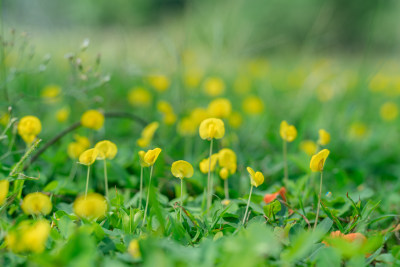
{"x":121,"y":148}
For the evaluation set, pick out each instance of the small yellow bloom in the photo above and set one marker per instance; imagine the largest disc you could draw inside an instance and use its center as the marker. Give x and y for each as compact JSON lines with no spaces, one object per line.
{"x":151,"y":156}
{"x":224,"y":173}
{"x":212,"y":128}
{"x":324,"y":137}
{"x":287,"y":132}
{"x":198,"y":115}
{"x":89,"y":156}
{"x":318,"y":160}
{"x":91,"y":207}
{"x":92,"y":119}
{"x":220,"y":108}
{"x":107,"y":150}
{"x":168,"y":112}
{"x":141,"y":158}
{"x":256,"y":178}
{"x":186,"y":127}
{"x":147,"y":134}
{"x":51,"y":93}
{"x":204,"y":164}
{"x":227,"y":159}
{"x":75,"y":149}
{"x":235,"y":120}
{"x":389,"y":111}
{"x":36,"y":203}
{"x":309,"y":147}
{"x":253,"y":105}
{"x":182,"y":169}
{"x":62,"y":114}
{"x":28,"y":128}
{"x":214,"y":86}
{"x":4,"y":185}
{"x":133,"y":249}
{"x":82,"y":140}
{"x":160,"y":82}
{"x":139,"y":97}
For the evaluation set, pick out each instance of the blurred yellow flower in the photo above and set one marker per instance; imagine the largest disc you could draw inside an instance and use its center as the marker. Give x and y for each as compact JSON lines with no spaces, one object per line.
{"x":151,"y":156}
{"x":147,"y":134}
{"x":92,"y":119}
{"x":50,"y":93}
{"x":4,"y":185}
{"x":168,"y":112}
{"x":159,"y":82}
{"x":220,"y":108}
{"x":4,"y":118}
{"x":253,"y":105}
{"x":198,"y":115}
{"x":28,"y":236}
{"x":139,"y":97}
{"x":324,"y":137}
{"x":182,"y":169}
{"x":309,"y":147}
{"x":28,"y":128}
{"x":258,"y":67}
{"x":212,"y":128}
{"x":204,"y":164}
{"x":318,"y":160}
{"x":256,"y":178}
{"x":389,"y":111}
{"x":187,"y":127}
{"x":91,"y":207}
{"x":379,"y":82}
{"x":358,"y":130}
{"x":235,"y":120}
{"x":133,"y":249}
{"x":224,"y":173}
{"x":36,"y":203}
{"x":227,"y":159}
{"x":192,"y":78}
{"x":107,"y":149}
{"x":141,"y":158}
{"x":214,"y":86}
{"x":75,"y":149}
{"x":89,"y":156}
{"x":62,"y":114}
{"x":287,"y":132}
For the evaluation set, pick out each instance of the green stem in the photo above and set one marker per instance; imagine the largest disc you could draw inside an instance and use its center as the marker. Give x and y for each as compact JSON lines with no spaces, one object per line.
{"x":87,"y":181}
{"x":148,"y":195}
{"x":73,"y":171}
{"x":105,"y":178}
{"x":226,"y":188}
{"x":141,"y":188}
{"x":180,"y":214}
{"x":248,"y":204}
{"x":209,"y":194}
{"x":319,"y":201}
{"x":285,"y":166}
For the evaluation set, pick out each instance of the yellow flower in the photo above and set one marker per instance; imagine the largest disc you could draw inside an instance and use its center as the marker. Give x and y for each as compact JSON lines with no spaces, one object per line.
{"x":89,"y":156}
{"x":212,"y":128}
{"x":107,"y":149}
{"x":82,"y":140}
{"x":91,"y":207}
{"x":75,"y":149}
{"x":182,"y":169}
{"x":214,"y":86}
{"x":159,"y":82}
{"x":389,"y":111}
{"x":256,"y":178}
{"x":141,"y":158}
{"x":235,"y":120}
{"x":168,"y":112}
{"x":324,"y":137}
{"x":224,"y":173}
{"x":28,"y":128}
{"x":139,"y":97}
{"x":227,"y":159}
{"x":4,"y":185}
{"x":36,"y":203}
{"x":28,"y":237}
{"x":151,"y":156}
{"x":205,"y":162}
{"x":318,"y":160}
{"x":92,"y":119}
{"x":62,"y":114}
{"x":133,"y":249}
{"x":198,"y":115}
{"x":287,"y":132}
{"x":186,"y":127}
{"x":220,"y":108}
{"x":309,"y":147}
{"x":253,"y":105}
{"x":50,"y":93}
{"x":147,"y":134}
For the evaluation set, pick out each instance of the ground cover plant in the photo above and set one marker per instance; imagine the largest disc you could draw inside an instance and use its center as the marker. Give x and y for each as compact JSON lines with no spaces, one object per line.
{"x":251,"y":161}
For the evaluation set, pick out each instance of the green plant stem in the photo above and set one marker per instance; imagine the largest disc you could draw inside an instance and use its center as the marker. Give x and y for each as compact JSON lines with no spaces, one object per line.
{"x":319,"y":201}
{"x":141,"y":188}
{"x":148,"y":195}
{"x":87,"y":181}
{"x":209,"y":194}
{"x":105,"y":178}
{"x":285,"y":166}
{"x":248,"y":204}
{"x":73,"y":171}
{"x":226,"y":188}
{"x":180,"y":214}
